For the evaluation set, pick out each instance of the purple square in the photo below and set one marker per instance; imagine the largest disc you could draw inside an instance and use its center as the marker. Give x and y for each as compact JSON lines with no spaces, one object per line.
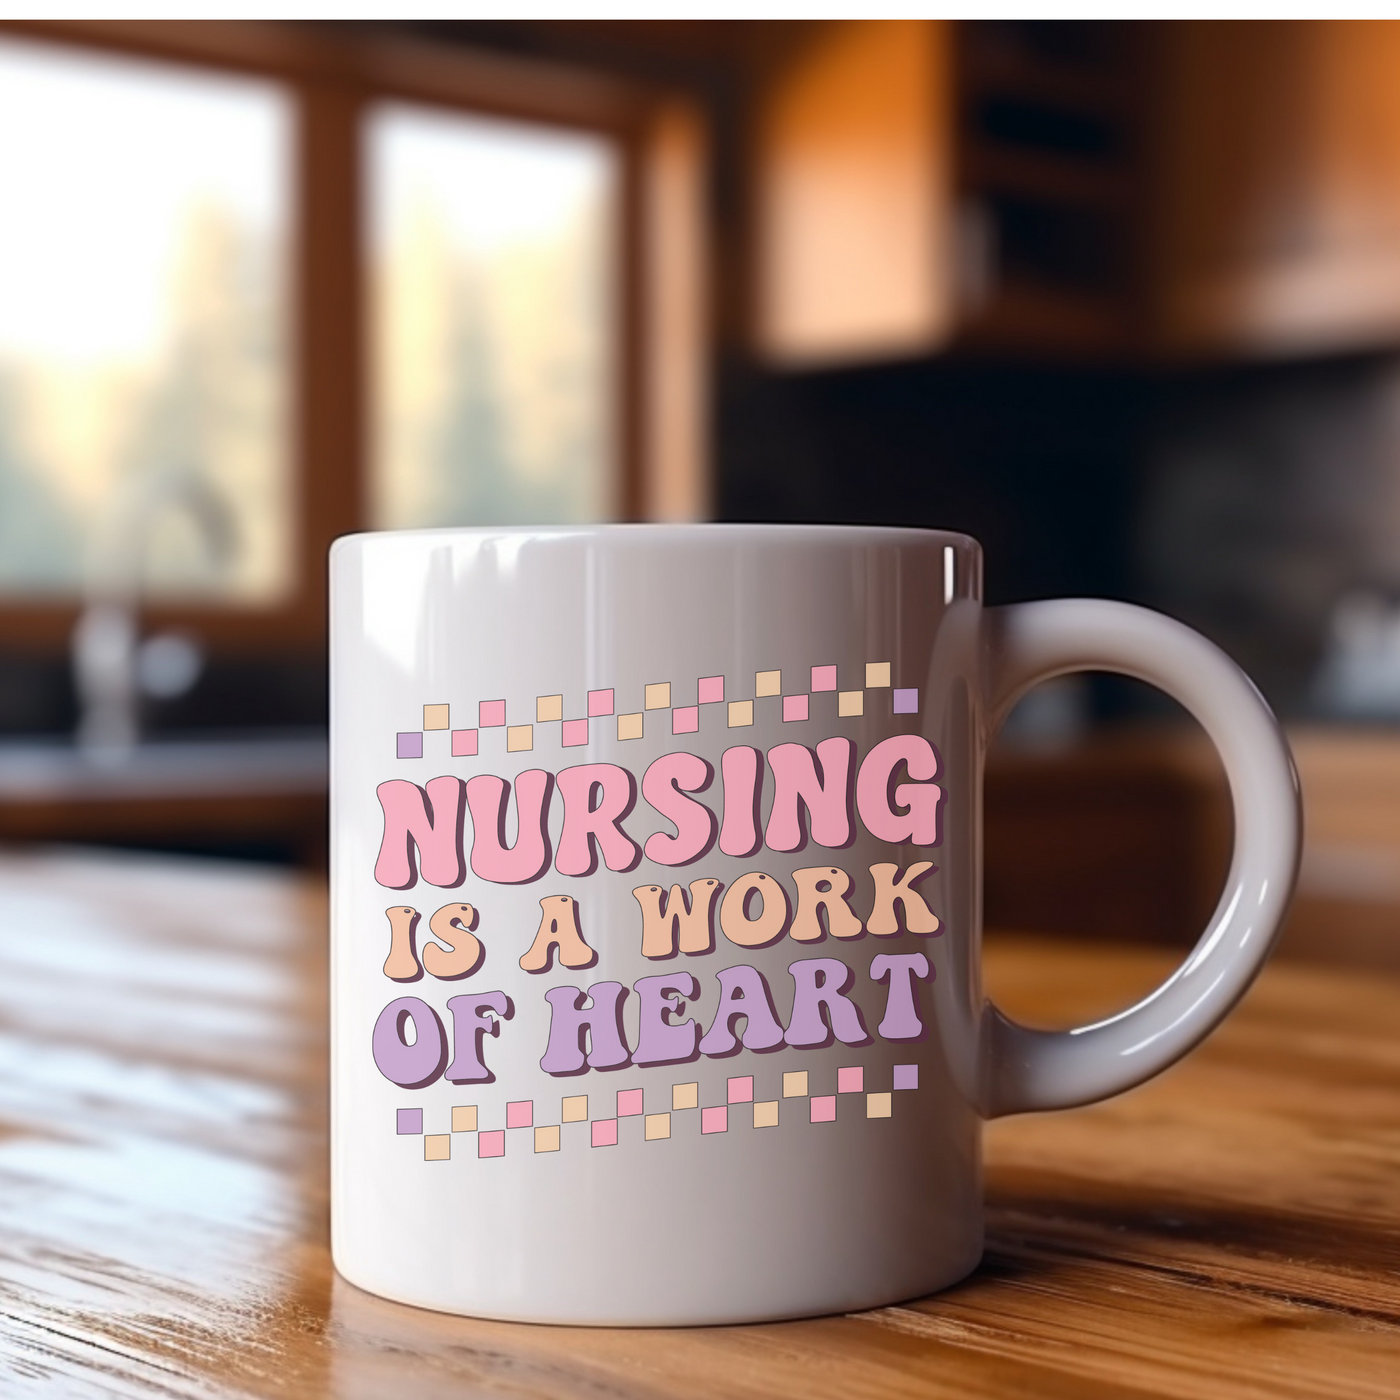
{"x":711,"y":690}
{"x":492,"y":1144}
{"x":604,"y":1132}
{"x":850,"y":1079}
{"x":520,"y":1113}
{"x":410,"y":1120}
{"x":714,"y":1120}
{"x":463,"y":743}
{"x":492,"y":714}
{"x":686,"y":720}
{"x":824,"y":1109}
{"x":573,"y":733}
{"x":600,"y":702}
{"x":794,"y":707}
{"x":411,"y":744}
{"x":906,"y":702}
{"x":823,"y":677}
{"x":629,"y":1103}
{"x":906,"y":1076}
{"x":741,"y":1089}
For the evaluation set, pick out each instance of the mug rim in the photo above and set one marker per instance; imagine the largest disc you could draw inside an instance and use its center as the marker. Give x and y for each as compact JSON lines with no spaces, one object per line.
{"x":683,"y":531}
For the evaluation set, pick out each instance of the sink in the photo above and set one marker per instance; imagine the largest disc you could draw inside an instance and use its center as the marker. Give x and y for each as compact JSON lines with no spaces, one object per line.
{"x":234,"y":764}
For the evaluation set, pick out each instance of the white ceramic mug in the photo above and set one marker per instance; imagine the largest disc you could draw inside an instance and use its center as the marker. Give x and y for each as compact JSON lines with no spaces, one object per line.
{"x":656,"y":866}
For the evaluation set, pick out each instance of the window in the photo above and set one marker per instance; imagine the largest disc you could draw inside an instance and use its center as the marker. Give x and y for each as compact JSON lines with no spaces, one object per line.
{"x":143,"y":328}
{"x":262,"y":284}
{"x":494,"y":363}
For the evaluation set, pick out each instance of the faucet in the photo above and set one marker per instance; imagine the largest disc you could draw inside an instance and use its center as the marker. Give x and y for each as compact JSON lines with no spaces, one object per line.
{"x":112,"y":667}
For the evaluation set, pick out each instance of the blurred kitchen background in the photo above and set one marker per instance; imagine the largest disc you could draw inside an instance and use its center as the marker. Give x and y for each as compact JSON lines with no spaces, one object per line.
{"x":1121,"y":299}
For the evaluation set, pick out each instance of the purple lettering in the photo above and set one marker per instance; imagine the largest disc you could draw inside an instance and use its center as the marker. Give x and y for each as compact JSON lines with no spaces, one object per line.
{"x":819,"y":1008}
{"x":470,"y":1024}
{"x":661,"y":1041}
{"x":742,"y":992}
{"x":571,"y":1023}
{"x":901,"y":1020}
{"x":415,"y":1064}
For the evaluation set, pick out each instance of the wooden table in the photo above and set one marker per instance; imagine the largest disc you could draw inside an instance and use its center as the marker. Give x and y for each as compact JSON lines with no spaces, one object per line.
{"x":1231,"y":1230}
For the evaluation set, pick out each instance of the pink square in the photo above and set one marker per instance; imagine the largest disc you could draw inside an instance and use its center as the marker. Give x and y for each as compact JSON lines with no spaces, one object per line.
{"x":823,"y":677}
{"x":600,"y":702}
{"x":714,"y":1120}
{"x":492,"y":1144}
{"x":824,"y":1109}
{"x":575,"y":732}
{"x":794,"y":707}
{"x":741,"y":1089}
{"x":685,"y":721}
{"x":492,"y":713}
{"x":463,"y":743}
{"x":604,"y":1132}
{"x":520,"y":1114}
{"x":629,"y":1103}
{"x":711,"y":690}
{"x":850,"y":1079}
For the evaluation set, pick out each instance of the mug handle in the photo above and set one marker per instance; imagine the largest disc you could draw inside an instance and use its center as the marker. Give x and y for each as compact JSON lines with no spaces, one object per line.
{"x":1025,"y":1070}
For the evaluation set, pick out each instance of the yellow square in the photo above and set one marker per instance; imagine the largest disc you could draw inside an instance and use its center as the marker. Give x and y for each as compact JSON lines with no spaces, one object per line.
{"x":877,"y":675}
{"x":877,"y":1105}
{"x":575,"y":1109}
{"x":549,"y":707}
{"x":658,"y":1125}
{"x":795,"y":1084}
{"x":850,"y":702}
{"x":435,"y":717}
{"x":464,"y":1118}
{"x":740,"y":713}
{"x":765,"y":1115}
{"x":768,"y":683}
{"x":629,"y":726}
{"x":520,"y":737}
{"x":547,"y":1139}
{"x":437,"y":1147}
{"x":659,"y":696}
{"x":685,"y":1095}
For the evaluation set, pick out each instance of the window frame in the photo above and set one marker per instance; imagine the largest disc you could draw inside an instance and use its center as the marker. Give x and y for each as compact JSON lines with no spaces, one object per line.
{"x":333,"y":72}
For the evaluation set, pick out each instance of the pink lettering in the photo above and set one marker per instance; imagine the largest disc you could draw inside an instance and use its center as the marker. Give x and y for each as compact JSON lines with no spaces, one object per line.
{"x":663,"y":784}
{"x":429,"y":819}
{"x":596,"y":798}
{"x":910,"y":811}
{"x":742,"y":768}
{"x":488,"y":798}
{"x":820,"y":782}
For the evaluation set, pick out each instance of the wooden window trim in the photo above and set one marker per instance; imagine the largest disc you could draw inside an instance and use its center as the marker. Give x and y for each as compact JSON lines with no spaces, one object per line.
{"x":333,"y":72}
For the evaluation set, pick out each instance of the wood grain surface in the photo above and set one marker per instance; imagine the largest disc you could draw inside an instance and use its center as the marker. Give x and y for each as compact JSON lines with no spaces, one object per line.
{"x":1231,"y":1230}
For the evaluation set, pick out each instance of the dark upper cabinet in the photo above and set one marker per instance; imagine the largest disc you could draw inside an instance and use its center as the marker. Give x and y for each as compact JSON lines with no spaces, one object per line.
{"x":1077,"y":188}
{"x":1275,"y":211}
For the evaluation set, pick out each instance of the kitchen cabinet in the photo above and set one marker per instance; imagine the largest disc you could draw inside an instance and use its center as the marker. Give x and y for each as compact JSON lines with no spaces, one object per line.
{"x":1100,"y":188}
{"x":918,"y":184}
{"x":851,"y":169}
{"x":1275,"y":211}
